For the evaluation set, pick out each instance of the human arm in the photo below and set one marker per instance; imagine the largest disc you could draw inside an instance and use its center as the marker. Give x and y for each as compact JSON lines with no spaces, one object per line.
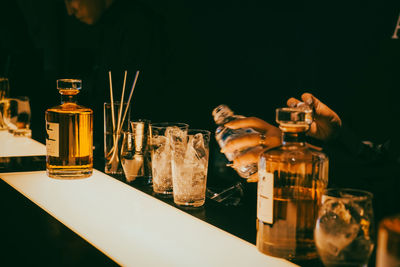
{"x":267,"y":136}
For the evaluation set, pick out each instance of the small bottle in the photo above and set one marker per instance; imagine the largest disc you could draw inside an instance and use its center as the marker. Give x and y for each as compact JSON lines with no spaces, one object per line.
{"x":388,"y":248}
{"x":69,"y":138}
{"x":223,"y":114}
{"x":292,"y":178}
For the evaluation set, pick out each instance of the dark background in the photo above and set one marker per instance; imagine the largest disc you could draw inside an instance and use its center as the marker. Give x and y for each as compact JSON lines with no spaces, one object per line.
{"x":252,"y":55}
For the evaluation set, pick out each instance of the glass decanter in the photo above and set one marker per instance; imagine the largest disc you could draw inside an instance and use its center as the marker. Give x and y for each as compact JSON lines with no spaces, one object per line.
{"x":69,"y":138}
{"x":292,"y":178}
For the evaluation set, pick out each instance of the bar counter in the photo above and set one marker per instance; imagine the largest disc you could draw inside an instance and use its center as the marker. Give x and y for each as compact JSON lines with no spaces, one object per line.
{"x":103,"y":221}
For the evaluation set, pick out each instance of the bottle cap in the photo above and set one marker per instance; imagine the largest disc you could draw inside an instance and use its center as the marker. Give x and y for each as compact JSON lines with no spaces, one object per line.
{"x":69,"y":84}
{"x":299,"y":116}
{"x":221,"y":112}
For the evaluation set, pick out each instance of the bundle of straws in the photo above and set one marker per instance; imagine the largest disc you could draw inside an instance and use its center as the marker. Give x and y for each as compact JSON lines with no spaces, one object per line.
{"x":112,"y":156}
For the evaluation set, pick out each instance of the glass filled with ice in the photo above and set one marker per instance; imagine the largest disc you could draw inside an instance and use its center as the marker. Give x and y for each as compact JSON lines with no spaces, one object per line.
{"x":161,"y":136}
{"x":189,"y":168}
{"x":344,"y":228}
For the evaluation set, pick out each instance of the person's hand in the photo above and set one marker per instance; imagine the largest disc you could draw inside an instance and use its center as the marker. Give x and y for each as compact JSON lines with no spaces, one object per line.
{"x":326,"y":122}
{"x":268,"y":136}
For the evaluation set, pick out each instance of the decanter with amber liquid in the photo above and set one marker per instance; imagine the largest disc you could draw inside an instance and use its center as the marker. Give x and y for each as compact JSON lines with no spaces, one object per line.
{"x":69,"y":135}
{"x":292,"y":178}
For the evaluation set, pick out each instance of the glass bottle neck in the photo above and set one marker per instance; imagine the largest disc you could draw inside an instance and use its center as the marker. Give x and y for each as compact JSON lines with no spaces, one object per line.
{"x":68,"y":99}
{"x":294,"y":137}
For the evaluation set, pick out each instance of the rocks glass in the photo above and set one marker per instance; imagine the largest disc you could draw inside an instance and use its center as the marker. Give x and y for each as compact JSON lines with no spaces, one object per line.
{"x":344,"y":229}
{"x":19,"y":116}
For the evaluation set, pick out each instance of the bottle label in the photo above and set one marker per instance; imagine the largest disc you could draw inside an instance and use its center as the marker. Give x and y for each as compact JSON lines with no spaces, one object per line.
{"x":52,"y":139}
{"x":265,"y":197}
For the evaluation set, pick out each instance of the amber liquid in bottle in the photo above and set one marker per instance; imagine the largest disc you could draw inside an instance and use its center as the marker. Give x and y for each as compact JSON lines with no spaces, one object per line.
{"x":69,"y":140}
{"x":292,"y":178}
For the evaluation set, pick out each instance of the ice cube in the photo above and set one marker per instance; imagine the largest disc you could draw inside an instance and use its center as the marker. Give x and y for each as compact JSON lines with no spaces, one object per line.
{"x":175,"y":134}
{"x":197,"y":142}
{"x":159,"y":142}
{"x":198,"y":145}
{"x":336,"y":228}
{"x":177,"y":141}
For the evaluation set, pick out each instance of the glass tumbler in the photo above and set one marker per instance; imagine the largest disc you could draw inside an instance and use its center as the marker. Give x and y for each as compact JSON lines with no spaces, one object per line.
{"x":134,"y":152}
{"x":4,"y":91}
{"x":344,"y":228}
{"x":19,"y":116}
{"x":162,"y":135}
{"x":189,"y":168}
{"x":114,"y":125}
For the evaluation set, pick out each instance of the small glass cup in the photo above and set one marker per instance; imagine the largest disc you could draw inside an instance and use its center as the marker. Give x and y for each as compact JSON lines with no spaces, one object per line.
{"x":113,"y":137}
{"x":19,"y":116}
{"x":4,"y":91}
{"x":161,"y":136}
{"x":344,"y":229}
{"x":135,"y":157}
{"x":189,"y":168}
{"x":388,"y":249}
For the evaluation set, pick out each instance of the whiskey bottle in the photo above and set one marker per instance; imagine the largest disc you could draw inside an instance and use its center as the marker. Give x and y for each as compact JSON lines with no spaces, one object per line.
{"x":292,"y":178}
{"x":223,"y":114}
{"x":69,"y":138}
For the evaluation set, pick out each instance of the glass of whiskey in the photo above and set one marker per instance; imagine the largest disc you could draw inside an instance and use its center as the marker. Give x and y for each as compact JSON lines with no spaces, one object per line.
{"x":69,"y":135}
{"x":292,"y":178}
{"x":344,"y":231}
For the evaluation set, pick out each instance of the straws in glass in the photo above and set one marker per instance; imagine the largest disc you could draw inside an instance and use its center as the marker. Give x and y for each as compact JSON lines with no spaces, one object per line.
{"x":112,"y":158}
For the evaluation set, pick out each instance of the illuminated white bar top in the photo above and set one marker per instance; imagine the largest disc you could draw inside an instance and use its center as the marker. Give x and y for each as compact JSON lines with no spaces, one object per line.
{"x":129,"y":226}
{"x":133,"y":228}
{"x":11,"y":146}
